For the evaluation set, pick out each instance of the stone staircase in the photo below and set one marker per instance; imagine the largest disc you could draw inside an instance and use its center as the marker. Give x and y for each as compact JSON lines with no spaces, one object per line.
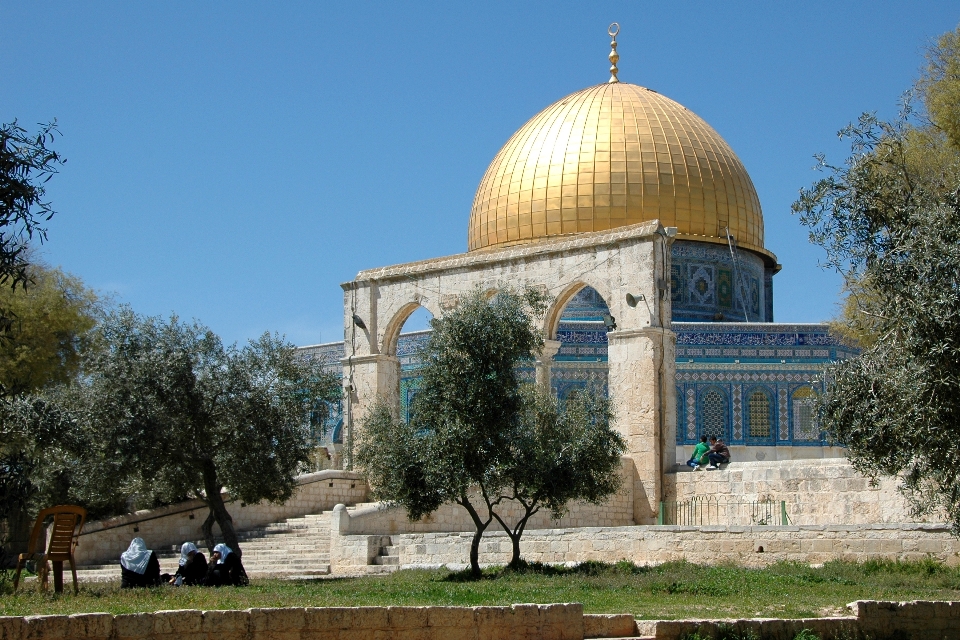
{"x":292,"y":548}
{"x":388,"y":560}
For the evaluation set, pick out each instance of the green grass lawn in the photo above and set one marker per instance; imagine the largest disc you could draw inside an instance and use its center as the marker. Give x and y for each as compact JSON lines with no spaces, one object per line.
{"x":673,"y":590}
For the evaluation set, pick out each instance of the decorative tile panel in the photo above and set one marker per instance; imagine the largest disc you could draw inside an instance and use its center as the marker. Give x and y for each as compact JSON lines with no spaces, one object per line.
{"x":784,"y":433}
{"x":737,"y":412}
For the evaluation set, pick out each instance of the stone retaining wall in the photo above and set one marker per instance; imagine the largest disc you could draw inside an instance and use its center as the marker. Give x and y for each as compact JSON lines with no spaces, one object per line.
{"x":826,"y":491}
{"x":519,"y":622}
{"x":615,"y":512}
{"x":916,"y":620}
{"x":105,"y":540}
{"x":754,"y":546}
{"x":871,"y":619}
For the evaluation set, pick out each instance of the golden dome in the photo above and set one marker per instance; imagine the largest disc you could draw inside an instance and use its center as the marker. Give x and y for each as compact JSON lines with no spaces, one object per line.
{"x":609,"y":156}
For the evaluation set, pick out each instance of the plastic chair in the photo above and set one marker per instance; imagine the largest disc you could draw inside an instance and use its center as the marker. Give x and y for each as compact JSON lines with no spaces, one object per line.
{"x":67,"y":523}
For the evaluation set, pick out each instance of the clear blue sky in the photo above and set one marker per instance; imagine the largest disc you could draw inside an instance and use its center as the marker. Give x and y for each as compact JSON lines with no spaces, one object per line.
{"x":235,"y":162}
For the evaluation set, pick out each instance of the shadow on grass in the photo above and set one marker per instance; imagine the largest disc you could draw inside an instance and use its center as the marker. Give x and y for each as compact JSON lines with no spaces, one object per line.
{"x":588,"y":568}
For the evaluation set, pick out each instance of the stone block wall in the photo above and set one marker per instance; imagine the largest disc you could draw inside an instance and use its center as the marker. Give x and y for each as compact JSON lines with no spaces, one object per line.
{"x":914,"y":620}
{"x":519,"y":622}
{"x":615,"y":512}
{"x":825,"y":491}
{"x":754,"y":546}
{"x":105,"y":540}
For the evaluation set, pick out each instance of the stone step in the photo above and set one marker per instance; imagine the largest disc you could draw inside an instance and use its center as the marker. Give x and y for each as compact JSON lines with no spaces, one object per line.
{"x":292,"y":547}
{"x":387,"y":560}
{"x":376,"y":569}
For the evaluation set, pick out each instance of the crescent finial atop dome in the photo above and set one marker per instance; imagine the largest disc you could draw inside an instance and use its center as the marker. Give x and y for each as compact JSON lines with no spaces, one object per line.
{"x":612,"y":31}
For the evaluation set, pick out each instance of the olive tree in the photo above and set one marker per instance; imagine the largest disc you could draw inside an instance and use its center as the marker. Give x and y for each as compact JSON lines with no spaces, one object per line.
{"x":478,"y":438}
{"x":26,"y":164}
{"x":48,"y":323}
{"x":889,"y":219}
{"x":169,"y":412}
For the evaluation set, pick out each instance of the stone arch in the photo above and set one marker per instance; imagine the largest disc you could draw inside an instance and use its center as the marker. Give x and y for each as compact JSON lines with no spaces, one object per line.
{"x":551,"y":319}
{"x":391,"y":334}
{"x":640,"y":353}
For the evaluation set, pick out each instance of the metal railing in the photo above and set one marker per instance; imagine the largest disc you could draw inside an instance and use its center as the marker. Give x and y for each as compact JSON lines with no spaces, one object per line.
{"x":720,"y":510}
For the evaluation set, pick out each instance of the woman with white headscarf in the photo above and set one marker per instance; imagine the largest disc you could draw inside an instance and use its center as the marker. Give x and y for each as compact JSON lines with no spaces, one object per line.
{"x":193,"y":566}
{"x":225,"y":568}
{"x":139,"y":566}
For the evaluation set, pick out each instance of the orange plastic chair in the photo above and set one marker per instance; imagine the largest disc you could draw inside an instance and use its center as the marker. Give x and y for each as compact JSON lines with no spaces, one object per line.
{"x":67,"y":523}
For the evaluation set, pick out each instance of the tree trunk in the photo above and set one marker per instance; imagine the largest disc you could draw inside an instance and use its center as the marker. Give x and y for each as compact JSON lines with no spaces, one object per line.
{"x":207,"y":529}
{"x":19,"y":527}
{"x":517,"y":532}
{"x":477,"y":536}
{"x":218,"y":509}
{"x":475,"y":552}
{"x":515,"y":560}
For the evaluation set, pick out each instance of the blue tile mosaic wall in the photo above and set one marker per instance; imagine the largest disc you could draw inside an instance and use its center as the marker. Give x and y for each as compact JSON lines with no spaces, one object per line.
{"x":708,"y":283}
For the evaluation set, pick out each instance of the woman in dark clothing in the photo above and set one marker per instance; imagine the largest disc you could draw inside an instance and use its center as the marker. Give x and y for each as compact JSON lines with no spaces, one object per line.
{"x":225,"y":568}
{"x":193,"y":567}
{"x":139,"y":566}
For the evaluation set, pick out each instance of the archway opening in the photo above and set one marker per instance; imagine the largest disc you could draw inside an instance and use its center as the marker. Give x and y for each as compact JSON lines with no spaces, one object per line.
{"x":413,"y":335}
{"x":581,"y":360}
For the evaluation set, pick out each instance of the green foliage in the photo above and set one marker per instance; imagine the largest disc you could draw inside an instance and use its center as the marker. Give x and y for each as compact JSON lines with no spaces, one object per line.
{"x":939,"y":85}
{"x":479,"y":438}
{"x":167,"y":412}
{"x":50,"y":321}
{"x":564,"y":452}
{"x":26,"y":164}
{"x":50,"y":324}
{"x":889,"y":220}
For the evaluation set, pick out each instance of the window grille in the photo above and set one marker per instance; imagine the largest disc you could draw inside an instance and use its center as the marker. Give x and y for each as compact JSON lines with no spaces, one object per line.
{"x":759,"y":414}
{"x":714,"y":411}
{"x":805,"y":426}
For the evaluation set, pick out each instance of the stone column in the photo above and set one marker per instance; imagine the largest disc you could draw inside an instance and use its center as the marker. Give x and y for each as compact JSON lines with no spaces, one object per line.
{"x":641,"y":365}
{"x":364,"y":379}
{"x":545,"y":360}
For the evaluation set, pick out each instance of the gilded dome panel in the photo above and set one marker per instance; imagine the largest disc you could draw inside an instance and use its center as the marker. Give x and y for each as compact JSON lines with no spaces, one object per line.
{"x":609,"y":156}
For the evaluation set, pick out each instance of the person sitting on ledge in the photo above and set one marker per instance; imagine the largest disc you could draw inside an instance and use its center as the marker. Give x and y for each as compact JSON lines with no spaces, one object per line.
{"x":225,"y":568}
{"x":719,"y":454}
{"x":139,"y":566}
{"x":193,"y":567}
{"x":699,"y":456}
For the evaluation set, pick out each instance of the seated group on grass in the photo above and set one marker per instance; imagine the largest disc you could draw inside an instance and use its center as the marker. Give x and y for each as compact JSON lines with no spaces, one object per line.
{"x":709,"y":456}
{"x":139,"y":567}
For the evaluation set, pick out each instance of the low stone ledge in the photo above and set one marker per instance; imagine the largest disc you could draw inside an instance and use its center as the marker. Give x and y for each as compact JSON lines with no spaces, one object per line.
{"x":914,"y":619}
{"x":541,"y":621}
{"x":619,"y":625}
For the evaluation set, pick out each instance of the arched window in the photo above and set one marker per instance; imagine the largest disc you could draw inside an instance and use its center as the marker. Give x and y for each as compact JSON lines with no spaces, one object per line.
{"x":805,"y":427}
{"x":759,"y":414}
{"x":713,"y":409}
